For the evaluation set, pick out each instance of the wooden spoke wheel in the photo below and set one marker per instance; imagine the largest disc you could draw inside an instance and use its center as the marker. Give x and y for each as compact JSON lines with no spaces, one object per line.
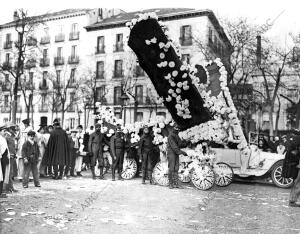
{"x":129,"y":168}
{"x":223,"y":174}
{"x":160,"y":174}
{"x":203,"y":177}
{"x":277,"y":178}
{"x":183,"y":173}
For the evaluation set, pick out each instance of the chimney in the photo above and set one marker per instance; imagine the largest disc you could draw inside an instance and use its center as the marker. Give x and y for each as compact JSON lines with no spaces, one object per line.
{"x":258,"y":50}
{"x":16,"y":16}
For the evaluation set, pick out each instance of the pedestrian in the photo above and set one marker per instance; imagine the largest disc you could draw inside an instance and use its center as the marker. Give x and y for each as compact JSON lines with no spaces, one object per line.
{"x":95,"y":146}
{"x":22,"y":138}
{"x":74,"y":150}
{"x":9,"y":135}
{"x":4,"y":161}
{"x":117,"y":146}
{"x":31,"y":156}
{"x":281,"y":148}
{"x":173,"y":151}
{"x":42,"y":139}
{"x":78,"y":162}
{"x":290,"y":169}
{"x":146,"y":147}
{"x":58,"y":151}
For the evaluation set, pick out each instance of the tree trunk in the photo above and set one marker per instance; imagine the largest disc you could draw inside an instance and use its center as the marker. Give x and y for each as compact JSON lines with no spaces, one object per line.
{"x":277,"y":118}
{"x":135,"y":111}
{"x":62,"y":114}
{"x":271,"y":132}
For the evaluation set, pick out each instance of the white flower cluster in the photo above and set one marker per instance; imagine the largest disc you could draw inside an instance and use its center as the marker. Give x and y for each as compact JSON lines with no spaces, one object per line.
{"x":145,"y":16}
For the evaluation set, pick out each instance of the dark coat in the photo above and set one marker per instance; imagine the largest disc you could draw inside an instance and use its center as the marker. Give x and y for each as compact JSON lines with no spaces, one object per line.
{"x":117,"y":145}
{"x":174,"y":145}
{"x":58,"y":150}
{"x":291,"y":159}
{"x":31,"y":152}
{"x":95,"y":145}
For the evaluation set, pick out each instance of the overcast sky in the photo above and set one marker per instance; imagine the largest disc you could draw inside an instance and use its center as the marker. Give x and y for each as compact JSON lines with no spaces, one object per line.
{"x":286,"y":13}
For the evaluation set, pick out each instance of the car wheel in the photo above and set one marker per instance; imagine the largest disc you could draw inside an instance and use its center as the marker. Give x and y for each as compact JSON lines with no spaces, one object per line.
{"x":277,"y":179}
{"x":224,"y":174}
{"x":129,"y":168}
{"x":203,"y":177}
{"x":160,"y":174}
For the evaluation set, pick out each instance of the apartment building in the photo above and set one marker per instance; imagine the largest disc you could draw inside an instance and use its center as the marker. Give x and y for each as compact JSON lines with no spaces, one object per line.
{"x":117,"y":67}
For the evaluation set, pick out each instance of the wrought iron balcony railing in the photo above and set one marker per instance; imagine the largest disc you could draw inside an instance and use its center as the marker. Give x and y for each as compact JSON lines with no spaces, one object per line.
{"x":7,"y":45}
{"x":44,"y":62}
{"x":100,"y":50}
{"x":59,"y":61}
{"x":73,"y":60}
{"x":185,"y":41}
{"x":45,"y":40}
{"x":74,"y":36}
{"x":119,"y":47}
{"x":100,"y":75}
{"x":60,"y":38}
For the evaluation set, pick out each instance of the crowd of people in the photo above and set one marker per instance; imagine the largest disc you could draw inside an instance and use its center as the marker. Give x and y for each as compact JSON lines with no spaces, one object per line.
{"x":60,"y":154}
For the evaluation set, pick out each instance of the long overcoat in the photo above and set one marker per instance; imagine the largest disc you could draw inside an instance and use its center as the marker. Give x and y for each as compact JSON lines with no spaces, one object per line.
{"x":291,"y":159}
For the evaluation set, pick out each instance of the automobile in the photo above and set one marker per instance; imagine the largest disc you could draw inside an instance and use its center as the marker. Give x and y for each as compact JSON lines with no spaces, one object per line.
{"x":260,"y":164}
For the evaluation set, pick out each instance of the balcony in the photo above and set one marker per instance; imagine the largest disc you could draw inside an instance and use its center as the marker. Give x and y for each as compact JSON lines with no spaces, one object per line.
{"x":43,"y":86}
{"x":6,"y":66}
{"x":100,"y":75}
{"x":139,"y":72}
{"x":59,"y":61}
{"x":7,"y":45}
{"x":73,"y":60}
{"x":45,"y":40}
{"x":74,"y":36}
{"x":119,"y":47}
{"x":43,"y":108}
{"x":185,"y":41}
{"x":71,"y":108}
{"x":44,"y":62}
{"x":100,"y":50}
{"x":6,"y":87}
{"x":118,"y":74}
{"x":31,"y":41}
{"x":60,"y":38}
{"x":30,"y":64}
{"x":5,"y":109}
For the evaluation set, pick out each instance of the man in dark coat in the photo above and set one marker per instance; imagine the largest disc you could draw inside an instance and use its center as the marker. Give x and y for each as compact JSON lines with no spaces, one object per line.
{"x":58,"y":151}
{"x":95,"y":146}
{"x":117,"y":147}
{"x":146,"y":147}
{"x":173,"y":152}
{"x":291,"y":167}
{"x":31,"y":155}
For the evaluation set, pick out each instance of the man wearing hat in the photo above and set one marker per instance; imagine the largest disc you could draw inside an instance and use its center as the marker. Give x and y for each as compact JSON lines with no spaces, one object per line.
{"x":31,"y":155}
{"x":58,"y":151}
{"x":11,"y":143}
{"x":4,"y":161}
{"x":173,"y":151}
{"x":117,"y":147}
{"x":95,"y":146}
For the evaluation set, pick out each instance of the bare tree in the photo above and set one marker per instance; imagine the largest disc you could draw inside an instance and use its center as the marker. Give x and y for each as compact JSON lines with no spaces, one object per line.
{"x":25,"y":27}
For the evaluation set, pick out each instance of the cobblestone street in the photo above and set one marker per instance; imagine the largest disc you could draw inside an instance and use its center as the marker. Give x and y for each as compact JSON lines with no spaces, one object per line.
{"x":82,"y":205}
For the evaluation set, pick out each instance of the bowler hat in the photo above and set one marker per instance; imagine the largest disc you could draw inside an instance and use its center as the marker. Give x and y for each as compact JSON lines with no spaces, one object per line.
{"x":31,"y":133}
{"x":25,"y":121}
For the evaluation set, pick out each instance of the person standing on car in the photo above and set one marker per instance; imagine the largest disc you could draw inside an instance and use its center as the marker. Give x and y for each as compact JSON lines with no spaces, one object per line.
{"x":173,"y":151}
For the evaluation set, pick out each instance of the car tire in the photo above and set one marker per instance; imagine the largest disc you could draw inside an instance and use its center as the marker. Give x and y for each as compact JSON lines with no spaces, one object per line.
{"x":277,"y":179}
{"x":223,"y":174}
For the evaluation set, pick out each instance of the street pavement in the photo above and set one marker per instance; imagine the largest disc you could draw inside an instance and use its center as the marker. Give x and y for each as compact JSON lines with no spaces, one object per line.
{"x":83,"y":205}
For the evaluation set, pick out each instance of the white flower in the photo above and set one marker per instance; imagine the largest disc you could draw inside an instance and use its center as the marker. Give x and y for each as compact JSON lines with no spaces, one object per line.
{"x":172,"y":84}
{"x":170,"y":91}
{"x":179,"y":84}
{"x":168,"y":76}
{"x":178,"y":90}
{"x":171,"y":64}
{"x":164,"y":64}
{"x":154,"y":40}
{"x":159,"y":64}
{"x":147,"y":42}
{"x":186,"y":87}
{"x":168,"y":99}
{"x":174,"y":73}
{"x":162,"y":55}
{"x":161,"y":45}
{"x":184,"y":75}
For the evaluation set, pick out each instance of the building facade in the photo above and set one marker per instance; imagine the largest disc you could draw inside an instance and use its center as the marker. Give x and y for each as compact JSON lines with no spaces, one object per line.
{"x":71,"y":45}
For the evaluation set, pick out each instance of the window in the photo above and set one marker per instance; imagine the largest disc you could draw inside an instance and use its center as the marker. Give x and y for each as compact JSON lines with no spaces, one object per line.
{"x":74,"y":28}
{"x":43,"y":99}
{"x":18,"y":121}
{"x":73,"y":51}
{"x":117,"y":95}
{"x":100,"y":44}
{"x":44,"y":80}
{"x":185,"y":58}
{"x":100,"y":93}
{"x":58,"y":78}
{"x":186,"y":35}
{"x":30,"y":78}
{"x":118,"y":68}
{"x":163,"y":114}
{"x":139,"y":71}
{"x":46,"y":31}
{"x":45,"y":53}
{"x":72,"y":100}
{"x":7,"y":57}
{"x":139,"y":94}
{"x":60,"y":29}
{"x":139,"y":116}
{"x":296,"y":55}
{"x":6,"y":100}
{"x":119,"y":42}
{"x":5,"y":120}
{"x":8,"y":37}
{"x":59,"y":52}
{"x":100,"y":70}
{"x":72,"y":123}
{"x":72,"y":76}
